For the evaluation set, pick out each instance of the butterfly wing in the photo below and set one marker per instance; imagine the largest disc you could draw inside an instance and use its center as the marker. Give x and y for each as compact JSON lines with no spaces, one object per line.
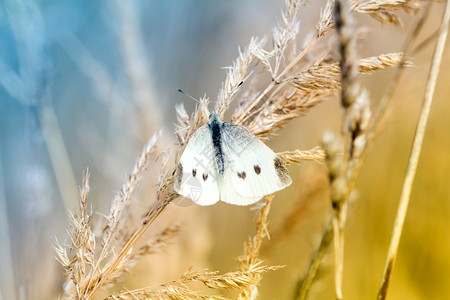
{"x":255,"y":169}
{"x":229,"y":195}
{"x":196,"y":173}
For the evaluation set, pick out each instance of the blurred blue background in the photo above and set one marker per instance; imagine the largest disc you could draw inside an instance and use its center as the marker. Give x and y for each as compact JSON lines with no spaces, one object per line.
{"x":84,"y":84}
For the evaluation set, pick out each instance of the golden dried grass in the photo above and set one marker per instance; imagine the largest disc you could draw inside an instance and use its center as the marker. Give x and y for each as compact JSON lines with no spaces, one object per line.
{"x":92,"y":261}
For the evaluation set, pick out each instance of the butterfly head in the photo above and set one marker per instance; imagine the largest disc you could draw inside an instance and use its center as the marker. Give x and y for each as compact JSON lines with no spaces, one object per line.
{"x":214,"y":118}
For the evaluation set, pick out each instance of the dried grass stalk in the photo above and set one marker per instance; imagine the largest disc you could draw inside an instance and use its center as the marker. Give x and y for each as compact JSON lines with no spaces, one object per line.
{"x":415,"y":152}
{"x":177,"y":289}
{"x":78,"y":258}
{"x":87,"y":265}
{"x":338,"y":166}
{"x":363,"y":134}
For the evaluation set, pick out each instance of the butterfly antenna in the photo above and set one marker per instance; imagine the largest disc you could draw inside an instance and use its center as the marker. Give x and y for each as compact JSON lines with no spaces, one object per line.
{"x":235,"y":90}
{"x":186,"y":94}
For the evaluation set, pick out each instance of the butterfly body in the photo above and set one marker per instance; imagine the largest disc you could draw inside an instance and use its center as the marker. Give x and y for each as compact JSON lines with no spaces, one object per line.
{"x":215,"y":126}
{"x":224,"y":161}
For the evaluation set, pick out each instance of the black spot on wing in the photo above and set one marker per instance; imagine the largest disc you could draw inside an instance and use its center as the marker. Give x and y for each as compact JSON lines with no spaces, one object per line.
{"x":179,"y":174}
{"x":257,"y":169}
{"x":194,"y":172}
{"x":241,"y":175}
{"x":205,"y":176}
{"x":282,"y":171}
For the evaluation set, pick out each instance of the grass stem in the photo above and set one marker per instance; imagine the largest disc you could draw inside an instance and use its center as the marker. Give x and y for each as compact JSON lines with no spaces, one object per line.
{"x":415,"y":153}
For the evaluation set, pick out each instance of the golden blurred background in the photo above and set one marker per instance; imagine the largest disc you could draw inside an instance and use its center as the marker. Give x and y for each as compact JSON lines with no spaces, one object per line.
{"x":84,"y":84}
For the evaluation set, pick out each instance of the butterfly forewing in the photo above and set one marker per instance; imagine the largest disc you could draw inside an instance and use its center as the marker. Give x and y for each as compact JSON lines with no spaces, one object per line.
{"x":196,"y":173}
{"x":254,"y":168}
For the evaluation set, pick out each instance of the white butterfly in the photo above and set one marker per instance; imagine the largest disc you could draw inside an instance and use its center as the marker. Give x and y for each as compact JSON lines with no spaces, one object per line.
{"x":224,"y":161}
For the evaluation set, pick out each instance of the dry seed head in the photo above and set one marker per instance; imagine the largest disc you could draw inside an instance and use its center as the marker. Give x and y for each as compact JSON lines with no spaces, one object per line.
{"x":334,"y":149}
{"x":274,"y":114}
{"x":165,"y":292}
{"x":204,"y":102}
{"x":124,"y":196}
{"x":158,"y":242}
{"x":263,"y":56}
{"x":237,"y":280}
{"x":361,"y":112}
{"x":325,"y":75}
{"x":384,"y":11}
{"x":186,"y":126}
{"x":182,"y":125}
{"x":297,"y":156}
{"x":326,"y":22}
{"x":347,"y":49}
{"x":287,"y":29}
{"x":78,"y":257}
{"x":237,"y":73}
{"x":359,"y":119}
{"x":62,"y":256}
{"x":338,"y":191}
{"x":381,"y":62}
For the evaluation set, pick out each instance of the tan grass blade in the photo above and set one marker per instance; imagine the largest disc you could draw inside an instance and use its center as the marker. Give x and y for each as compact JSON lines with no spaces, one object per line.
{"x":415,"y":152}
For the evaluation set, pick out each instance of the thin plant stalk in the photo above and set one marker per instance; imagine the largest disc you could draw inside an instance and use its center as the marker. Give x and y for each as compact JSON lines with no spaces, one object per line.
{"x":415,"y":153}
{"x":313,"y":269}
{"x":350,"y":91}
{"x":327,"y":237}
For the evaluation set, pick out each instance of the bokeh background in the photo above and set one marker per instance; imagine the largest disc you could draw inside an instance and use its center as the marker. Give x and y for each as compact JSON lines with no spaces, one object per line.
{"x":84,"y":84}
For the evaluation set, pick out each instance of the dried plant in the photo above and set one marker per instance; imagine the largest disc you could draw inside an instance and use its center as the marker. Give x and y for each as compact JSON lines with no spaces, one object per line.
{"x":237,"y":280}
{"x":300,"y":79}
{"x":415,"y":152}
{"x":385,"y":11}
{"x":345,"y":153}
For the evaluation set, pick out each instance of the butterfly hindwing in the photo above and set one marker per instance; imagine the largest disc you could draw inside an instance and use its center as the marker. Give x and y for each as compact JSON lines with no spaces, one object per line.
{"x":254,"y":168}
{"x":229,"y":195}
{"x":196,"y":173}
